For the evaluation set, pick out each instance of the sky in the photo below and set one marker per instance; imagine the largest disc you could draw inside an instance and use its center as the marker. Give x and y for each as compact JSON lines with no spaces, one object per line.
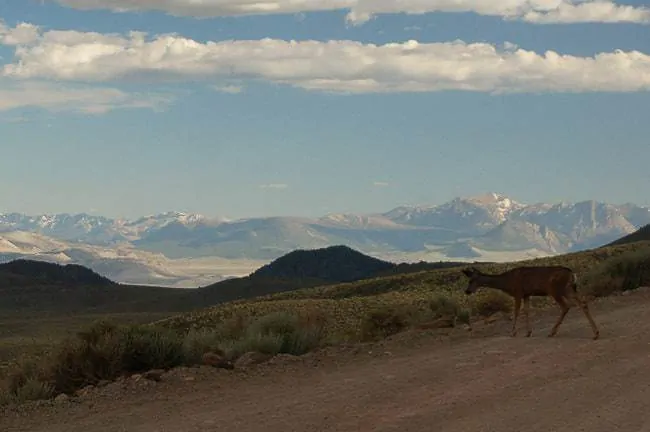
{"x":242,"y":108}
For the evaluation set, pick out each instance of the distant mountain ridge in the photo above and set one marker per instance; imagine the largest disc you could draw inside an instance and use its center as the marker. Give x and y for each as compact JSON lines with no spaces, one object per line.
{"x":489,"y":227}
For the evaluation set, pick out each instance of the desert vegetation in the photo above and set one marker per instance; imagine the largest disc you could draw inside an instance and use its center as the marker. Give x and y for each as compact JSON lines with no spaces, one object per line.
{"x":297,"y":322}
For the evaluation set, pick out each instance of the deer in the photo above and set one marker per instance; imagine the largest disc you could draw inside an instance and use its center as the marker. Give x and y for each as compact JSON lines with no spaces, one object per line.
{"x":558,"y":282}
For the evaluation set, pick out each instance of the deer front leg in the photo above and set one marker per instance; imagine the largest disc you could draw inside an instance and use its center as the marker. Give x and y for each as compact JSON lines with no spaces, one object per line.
{"x":529,"y":331}
{"x":514,"y":321}
{"x":565,"y":309}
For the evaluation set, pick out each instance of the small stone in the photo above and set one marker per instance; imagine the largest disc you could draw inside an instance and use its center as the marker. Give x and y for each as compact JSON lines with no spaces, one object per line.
{"x":62,"y":398}
{"x":216,"y":360}
{"x":251,"y":358}
{"x":154,"y":375}
{"x":284,"y":358}
{"x":85,"y":391}
{"x":103,"y":383}
{"x":444,"y":322}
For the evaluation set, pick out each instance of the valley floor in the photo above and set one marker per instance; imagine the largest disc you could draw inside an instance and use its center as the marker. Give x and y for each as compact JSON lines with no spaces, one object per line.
{"x":484,"y":381}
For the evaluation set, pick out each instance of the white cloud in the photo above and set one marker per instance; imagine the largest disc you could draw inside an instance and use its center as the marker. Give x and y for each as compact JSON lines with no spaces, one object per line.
{"x":212,"y":8}
{"x":274,"y":186}
{"x":535,"y":11}
{"x":334,"y":66}
{"x":230,"y":89}
{"x":82,"y":99}
{"x":23,"y":33}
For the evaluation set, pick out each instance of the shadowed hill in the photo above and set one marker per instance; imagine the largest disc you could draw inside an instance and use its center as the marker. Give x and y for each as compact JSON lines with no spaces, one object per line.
{"x":24,"y":272}
{"x":642,"y":234}
{"x":36,"y":286}
{"x":311,"y":268}
{"x":331,"y":264}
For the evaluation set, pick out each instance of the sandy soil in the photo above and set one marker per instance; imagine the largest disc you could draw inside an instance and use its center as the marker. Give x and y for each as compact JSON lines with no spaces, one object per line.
{"x":419,"y":381}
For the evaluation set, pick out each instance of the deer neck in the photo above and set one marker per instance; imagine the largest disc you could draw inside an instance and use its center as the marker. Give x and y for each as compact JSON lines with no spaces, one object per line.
{"x":496,"y":282}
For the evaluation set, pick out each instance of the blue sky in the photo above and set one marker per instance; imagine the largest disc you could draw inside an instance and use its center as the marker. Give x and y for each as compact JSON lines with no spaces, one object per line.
{"x":204,"y":114}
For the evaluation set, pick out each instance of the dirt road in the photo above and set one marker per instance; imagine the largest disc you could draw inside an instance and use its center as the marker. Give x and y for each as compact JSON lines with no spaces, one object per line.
{"x":484,"y":382}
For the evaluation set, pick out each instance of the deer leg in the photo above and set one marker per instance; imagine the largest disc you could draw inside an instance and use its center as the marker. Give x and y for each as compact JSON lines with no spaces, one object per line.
{"x":529,"y":331}
{"x":585,"y":309}
{"x":565,"y":309}
{"x":514,"y":322}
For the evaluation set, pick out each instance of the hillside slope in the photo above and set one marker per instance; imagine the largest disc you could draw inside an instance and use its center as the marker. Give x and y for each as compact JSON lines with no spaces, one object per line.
{"x":642,"y":234}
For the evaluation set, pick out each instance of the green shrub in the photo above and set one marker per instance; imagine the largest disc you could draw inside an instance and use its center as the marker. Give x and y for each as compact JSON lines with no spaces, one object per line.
{"x":491,"y":301}
{"x":198,"y":342}
{"x":627,"y":271}
{"x":280,"y":332}
{"x":383,"y":321}
{"x":441,"y":305}
{"x":78,"y":363}
{"x":27,"y":382}
{"x":463,"y":316}
{"x":33,"y":390}
{"x":257,"y":342}
{"x":147,"y":348}
{"x":6,"y":398}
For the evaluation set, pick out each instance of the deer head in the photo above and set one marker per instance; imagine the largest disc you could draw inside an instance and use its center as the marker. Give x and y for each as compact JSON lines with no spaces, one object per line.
{"x":474,"y":276}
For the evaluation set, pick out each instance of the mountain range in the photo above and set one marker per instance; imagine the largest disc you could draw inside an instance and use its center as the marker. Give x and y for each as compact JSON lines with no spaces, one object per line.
{"x":181,"y":249}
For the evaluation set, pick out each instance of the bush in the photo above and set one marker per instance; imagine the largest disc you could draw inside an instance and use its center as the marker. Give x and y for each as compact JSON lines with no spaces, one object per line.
{"x":443,"y":306}
{"x":33,"y":390}
{"x":146,"y":348}
{"x":198,"y":342}
{"x":280,"y":332}
{"x":102,"y":352}
{"x":383,"y":321}
{"x":491,"y":301}
{"x":627,"y":271}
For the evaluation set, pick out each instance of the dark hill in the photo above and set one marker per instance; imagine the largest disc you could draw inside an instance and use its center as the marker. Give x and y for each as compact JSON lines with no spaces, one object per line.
{"x":35,"y":286}
{"x":24,"y":272}
{"x":642,"y":234}
{"x":309,"y":268}
{"x":330,"y":264}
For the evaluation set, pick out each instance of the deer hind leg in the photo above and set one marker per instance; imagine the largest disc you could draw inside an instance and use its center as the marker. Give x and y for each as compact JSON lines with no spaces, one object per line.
{"x":582,"y":304}
{"x":514,"y":322}
{"x":565,"y":309}
{"x":529,"y":330}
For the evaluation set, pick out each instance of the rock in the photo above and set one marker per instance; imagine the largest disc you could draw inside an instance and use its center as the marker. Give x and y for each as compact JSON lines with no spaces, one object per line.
{"x":103,"y":383}
{"x":216,"y":360}
{"x":62,"y":398}
{"x":84,"y":391}
{"x":251,"y":358}
{"x":154,"y":375}
{"x":498,"y":316}
{"x":283,"y":359}
{"x":444,"y":322}
{"x":136,"y":377}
